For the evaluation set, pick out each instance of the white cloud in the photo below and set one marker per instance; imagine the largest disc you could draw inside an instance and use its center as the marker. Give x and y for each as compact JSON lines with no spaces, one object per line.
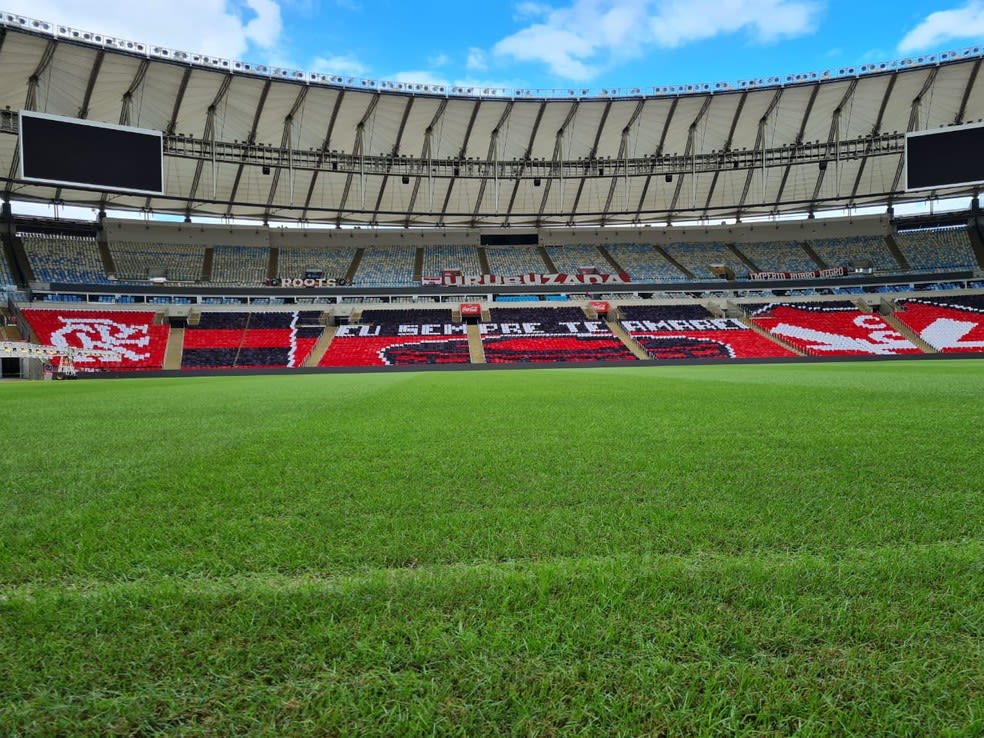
{"x":222,"y":28}
{"x":476,"y":61}
{"x":580,"y":39}
{"x":343,"y":66}
{"x":941,"y":27}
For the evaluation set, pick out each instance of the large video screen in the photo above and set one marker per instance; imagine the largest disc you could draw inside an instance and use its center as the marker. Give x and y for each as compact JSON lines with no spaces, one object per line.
{"x":69,"y":151}
{"x":945,"y":157}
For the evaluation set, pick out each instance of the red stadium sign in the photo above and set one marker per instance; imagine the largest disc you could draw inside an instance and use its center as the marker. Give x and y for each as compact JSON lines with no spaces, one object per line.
{"x":471,"y":310}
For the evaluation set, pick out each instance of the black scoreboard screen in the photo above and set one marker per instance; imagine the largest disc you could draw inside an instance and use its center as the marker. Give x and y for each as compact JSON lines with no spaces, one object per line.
{"x":74,"y":152}
{"x":945,"y":157}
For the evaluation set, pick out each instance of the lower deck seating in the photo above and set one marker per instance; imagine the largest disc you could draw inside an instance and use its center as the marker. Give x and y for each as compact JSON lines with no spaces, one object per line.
{"x":399,"y":338}
{"x":140,"y":343}
{"x":830,"y":329}
{"x":692,"y":332}
{"x":948,"y":324}
{"x":240,"y":340}
{"x":544,"y":335}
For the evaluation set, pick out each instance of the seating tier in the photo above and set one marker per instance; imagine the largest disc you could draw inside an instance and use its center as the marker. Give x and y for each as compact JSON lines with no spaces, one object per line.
{"x":948,"y":324}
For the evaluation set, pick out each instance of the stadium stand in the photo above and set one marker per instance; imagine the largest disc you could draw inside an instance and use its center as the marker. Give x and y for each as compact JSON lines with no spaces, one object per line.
{"x":570,"y":259}
{"x":691,"y":332}
{"x":246,"y":265}
{"x":643,"y":263}
{"x":137,"y":262}
{"x":134,"y":335}
{"x":698,"y":258}
{"x":255,"y":339}
{"x":333,"y":263}
{"x":778,"y":256}
{"x":855,"y":250}
{"x":937,"y":248}
{"x":399,"y":338}
{"x":510,"y":261}
{"x":6,"y":275}
{"x":948,"y":324}
{"x":548,"y":335}
{"x":386,"y":267}
{"x":437,"y":259}
{"x":832,"y":329}
{"x":71,"y":259}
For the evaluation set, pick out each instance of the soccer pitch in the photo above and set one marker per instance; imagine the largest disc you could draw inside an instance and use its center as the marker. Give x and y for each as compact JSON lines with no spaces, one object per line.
{"x":678,"y":550}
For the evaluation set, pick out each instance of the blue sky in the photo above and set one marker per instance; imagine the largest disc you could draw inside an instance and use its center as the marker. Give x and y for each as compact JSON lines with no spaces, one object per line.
{"x":546,"y":44}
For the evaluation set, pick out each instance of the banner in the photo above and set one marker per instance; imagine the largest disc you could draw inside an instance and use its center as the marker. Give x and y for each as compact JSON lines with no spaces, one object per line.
{"x":519,"y":280}
{"x":819,"y":274}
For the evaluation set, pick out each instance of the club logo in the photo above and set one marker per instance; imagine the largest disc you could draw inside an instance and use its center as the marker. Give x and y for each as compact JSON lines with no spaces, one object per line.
{"x":102,"y":334}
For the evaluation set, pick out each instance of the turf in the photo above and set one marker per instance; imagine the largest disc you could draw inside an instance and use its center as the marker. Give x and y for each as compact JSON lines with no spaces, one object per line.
{"x":710,"y":550}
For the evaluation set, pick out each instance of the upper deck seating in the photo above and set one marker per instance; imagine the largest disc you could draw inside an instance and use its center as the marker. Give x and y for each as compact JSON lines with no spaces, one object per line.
{"x":6,"y":275}
{"x":698,"y":258}
{"x":937,"y":248}
{"x":857,"y":250}
{"x":386,"y":266}
{"x":570,"y":259}
{"x":136,"y":262}
{"x":511,"y":261}
{"x":71,"y":259}
{"x":295,"y":261}
{"x":438,"y":259}
{"x":778,"y":256}
{"x":643,"y":263}
{"x":246,"y":265}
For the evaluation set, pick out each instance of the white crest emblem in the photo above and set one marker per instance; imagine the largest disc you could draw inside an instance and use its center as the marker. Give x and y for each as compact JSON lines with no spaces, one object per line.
{"x":102,"y":334}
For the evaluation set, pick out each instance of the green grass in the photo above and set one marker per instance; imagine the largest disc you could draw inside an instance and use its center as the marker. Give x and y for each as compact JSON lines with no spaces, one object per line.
{"x":679,"y":551}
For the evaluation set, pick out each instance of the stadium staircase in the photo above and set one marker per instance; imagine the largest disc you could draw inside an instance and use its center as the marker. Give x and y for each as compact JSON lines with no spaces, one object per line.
{"x":813,"y":255}
{"x":638,"y":351}
{"x":897,"y":252}
{"x":752,"y":267}
{"x":662,"y":252}
{"x":207,"y":265}
{"x":616,"y":267}
{"x":109,"y":267}
{"x":476,"y":351}
{"x":542,"y":250}
{"x":418,"y":265}
{"x":20,"y":262}
{"x":273,"y":264}
{"x":321,"y":347}
{"x":765,"y":334}
{"x":483,"y":260}
{"x":175,"y":348}
{"x":354,"y":266}
{"x":977,"y":243}
{"x":908,"y":333}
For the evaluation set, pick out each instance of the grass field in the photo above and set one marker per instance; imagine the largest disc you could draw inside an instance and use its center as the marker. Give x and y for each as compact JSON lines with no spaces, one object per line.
{"x":679,"y":551}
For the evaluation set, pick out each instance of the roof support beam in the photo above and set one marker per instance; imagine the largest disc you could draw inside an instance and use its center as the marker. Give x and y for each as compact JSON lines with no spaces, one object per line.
{"x":322,"y":153}
{"x":656,"y":155}
{"x":286,"y":144}
{"x":521,"y":168}
{"x":250,"y":142}
{"x":913,"y":126}
{"x":689,"y":151}
{"x":727,"y":148}
{"x":798,"y":142}
{"x":760,"y":146}
{"x":208,"y":138}
{"x":394,"y":153}
{"x":876,"y":128}
{"x":126,"y":108}
{"x":959,"y":118}
{"x":833,"y":141}
{"x":492,"y":164}
{"x":558,"y":159}
{"x":461,"y":156}
{"x":425,"y":160}
{"x":622,"y":156}
{"x":30,"y":103}
{"x":359,"y":151}
{"x":91,"y":84}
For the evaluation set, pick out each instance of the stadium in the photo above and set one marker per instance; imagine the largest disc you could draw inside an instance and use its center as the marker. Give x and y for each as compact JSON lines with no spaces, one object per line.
{"x":298,"y":495}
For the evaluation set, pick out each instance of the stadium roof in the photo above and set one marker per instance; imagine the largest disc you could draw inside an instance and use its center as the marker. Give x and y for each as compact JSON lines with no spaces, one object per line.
{"x":247,"y":141}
